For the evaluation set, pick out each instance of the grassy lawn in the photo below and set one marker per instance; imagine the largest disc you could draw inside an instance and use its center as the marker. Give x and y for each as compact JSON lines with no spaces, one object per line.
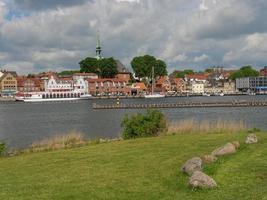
{"x":137,"y":169}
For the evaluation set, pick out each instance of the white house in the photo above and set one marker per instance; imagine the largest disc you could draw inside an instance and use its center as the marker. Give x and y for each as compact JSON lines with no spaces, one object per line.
{"x":197,"y":88}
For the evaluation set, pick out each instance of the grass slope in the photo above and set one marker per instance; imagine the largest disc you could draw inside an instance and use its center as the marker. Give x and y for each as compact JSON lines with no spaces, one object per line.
{"x":137,"y":169}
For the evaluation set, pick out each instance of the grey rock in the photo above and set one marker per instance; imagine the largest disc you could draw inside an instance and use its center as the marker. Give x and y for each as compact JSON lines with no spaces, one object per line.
{"x":236,"y":144}
{"x":201,"y":180}
{"x":192,"y":165}
{"x":227,"y":149}
{"x":251,"y":138}
{"x":208,"y":159}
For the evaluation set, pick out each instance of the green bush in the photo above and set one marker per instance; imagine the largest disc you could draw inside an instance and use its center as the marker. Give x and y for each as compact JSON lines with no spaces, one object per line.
{"x":152,"y":123}
{"x":2,"y":148}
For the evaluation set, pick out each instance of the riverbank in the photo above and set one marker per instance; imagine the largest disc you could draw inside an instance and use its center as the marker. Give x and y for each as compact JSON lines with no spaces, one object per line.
{"x":147,"y":168}
{"x":7,"y":99}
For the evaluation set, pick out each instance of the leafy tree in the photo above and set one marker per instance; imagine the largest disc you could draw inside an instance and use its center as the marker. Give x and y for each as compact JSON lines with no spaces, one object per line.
{"x":189,"y":71}
{"x":246,"y":71}
{"x":181,"y":74}
{"x":143,"y":65}
{"x":89,"y":65}
{"x":2,"y":148}
{"x":30,"y":76}
{"x":105,"y":68}
{"x":152,"y":123}
{"x":68,"y":72}
{"x":209,"y":70}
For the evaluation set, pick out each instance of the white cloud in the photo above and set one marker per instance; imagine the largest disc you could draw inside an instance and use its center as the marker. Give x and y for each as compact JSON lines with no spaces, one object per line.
{"x":201,"y":58}
{"x":58,"y":35}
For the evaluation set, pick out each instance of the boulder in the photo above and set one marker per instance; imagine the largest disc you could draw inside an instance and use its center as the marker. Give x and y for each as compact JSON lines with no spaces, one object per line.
{"x":208,"y":159}
{"x":201,"y":180}
{"x":236,"y":144}
{"x":194,"y":164}
{"x":227,"y":149}
{"x":251,"y":138}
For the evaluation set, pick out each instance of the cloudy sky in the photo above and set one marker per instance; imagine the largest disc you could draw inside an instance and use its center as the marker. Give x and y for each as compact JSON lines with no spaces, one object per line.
{"x":41,"y":35}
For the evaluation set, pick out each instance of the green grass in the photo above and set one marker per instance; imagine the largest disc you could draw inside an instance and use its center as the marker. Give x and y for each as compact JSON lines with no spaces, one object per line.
{"x":146,"y":169}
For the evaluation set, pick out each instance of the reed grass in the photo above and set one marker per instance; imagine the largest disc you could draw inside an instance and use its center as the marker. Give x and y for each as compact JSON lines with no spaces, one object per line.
{"x":69,"y":140}
{"x":204,"y":127}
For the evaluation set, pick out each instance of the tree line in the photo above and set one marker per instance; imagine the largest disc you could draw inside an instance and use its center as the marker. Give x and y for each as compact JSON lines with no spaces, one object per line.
{"x":142,"y":67}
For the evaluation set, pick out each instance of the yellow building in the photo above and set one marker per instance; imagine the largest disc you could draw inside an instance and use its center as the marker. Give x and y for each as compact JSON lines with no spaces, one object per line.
{"x":8,"y":84}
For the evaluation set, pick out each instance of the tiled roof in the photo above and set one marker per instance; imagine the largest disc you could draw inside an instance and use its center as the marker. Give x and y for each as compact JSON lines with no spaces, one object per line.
{"x":197,"y":76}
{"x":104,"y":80}
{"x":85,"y":74}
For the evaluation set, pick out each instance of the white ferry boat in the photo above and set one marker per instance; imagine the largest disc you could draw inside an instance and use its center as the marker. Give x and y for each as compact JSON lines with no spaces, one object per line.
{"x":46,"y":96}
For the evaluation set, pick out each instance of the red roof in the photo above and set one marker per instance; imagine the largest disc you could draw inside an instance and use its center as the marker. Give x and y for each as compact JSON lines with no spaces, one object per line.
{"x":140,"y":86}
{"x":197,"y":76}
{"x":85,"y":74}
{"x":104,"y":80}
{"x":22,"y":79}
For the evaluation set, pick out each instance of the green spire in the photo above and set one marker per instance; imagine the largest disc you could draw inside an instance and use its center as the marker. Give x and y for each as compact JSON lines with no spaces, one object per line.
{"x":98,"y":47}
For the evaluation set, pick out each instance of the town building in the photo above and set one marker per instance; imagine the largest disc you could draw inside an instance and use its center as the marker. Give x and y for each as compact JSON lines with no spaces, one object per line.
{"x":178,"y":85}
{"x":66,"y":85}
{"x":263,"y":72}
{"x":25,"y":84}
{"x":8,"y":84}
{"x":163,"y":84}
{"x":197,"y":87}
{"x":252,"y":84}
{"x":108,"y":86}
{"x":84,"y":76}
{"x":138,"y":88}
{"x":123,"y":72}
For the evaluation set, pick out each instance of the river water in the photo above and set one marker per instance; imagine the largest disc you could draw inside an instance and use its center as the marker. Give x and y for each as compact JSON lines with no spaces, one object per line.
{"x":21,"y":124}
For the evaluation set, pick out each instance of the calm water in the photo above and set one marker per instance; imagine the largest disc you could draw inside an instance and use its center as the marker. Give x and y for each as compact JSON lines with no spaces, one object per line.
{"x":24,"y":123}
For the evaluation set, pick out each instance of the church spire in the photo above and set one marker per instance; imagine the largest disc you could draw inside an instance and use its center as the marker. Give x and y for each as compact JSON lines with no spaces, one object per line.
{"x":98,"y":47}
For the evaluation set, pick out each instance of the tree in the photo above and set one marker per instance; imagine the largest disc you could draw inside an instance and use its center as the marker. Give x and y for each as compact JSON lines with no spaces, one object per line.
{"x":105,"y":68}
{"x":68,"y":72}
{"x":143,"y":65}
{"x":181,"y":74}
{"x":246,"y":71}
{"x":89,"y":65}
{"x":108,"y":68}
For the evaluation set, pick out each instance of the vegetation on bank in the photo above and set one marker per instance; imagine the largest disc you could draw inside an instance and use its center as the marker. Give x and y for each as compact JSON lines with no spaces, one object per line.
{"x":152,"y":123}
{"x":145,"y":168}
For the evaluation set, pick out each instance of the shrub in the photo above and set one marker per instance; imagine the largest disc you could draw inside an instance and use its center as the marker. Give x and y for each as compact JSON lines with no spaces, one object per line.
{"x":152,"y":123}
{"x":2,"y":148}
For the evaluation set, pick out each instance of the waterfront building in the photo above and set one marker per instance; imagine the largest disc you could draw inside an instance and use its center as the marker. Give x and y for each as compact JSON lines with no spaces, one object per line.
{"x":178,"y":85}
{"x":197,"y":87}
{"x":66,"y":85}
{"x":8,"y":84}
{"x":138,"y":88}
{"x":84,"y":76}
{"x":163,"y":84}
{"x":252,"y":84}
{"x":263,"y":72}
{"x":107,"y":87}
{"x":25,"y":84}
{"x":123,"y":72}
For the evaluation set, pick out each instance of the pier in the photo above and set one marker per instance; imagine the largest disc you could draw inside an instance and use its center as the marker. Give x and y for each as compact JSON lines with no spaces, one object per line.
{"x":183,"y":105}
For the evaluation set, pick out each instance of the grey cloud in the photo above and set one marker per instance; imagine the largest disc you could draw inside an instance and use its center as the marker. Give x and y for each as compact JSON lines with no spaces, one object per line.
{"x":46,"y":4}
{"x":175,"y":31}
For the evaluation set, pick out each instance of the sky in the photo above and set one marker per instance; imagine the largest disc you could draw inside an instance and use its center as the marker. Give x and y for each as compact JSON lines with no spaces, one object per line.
{"x":42,"y":35}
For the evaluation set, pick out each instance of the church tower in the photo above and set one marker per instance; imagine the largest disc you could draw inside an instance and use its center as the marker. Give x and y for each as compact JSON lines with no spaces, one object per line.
{"x":98,"y":47}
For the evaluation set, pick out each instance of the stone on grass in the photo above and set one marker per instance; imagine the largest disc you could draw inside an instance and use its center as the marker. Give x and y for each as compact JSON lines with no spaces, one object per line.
{"x":236,"y":144}
{"x":252,"y":138}
{"x":208,"y":159}
{"x":227,"y":149}
{"x":192,"y":165}
{"x":201,"y":180}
